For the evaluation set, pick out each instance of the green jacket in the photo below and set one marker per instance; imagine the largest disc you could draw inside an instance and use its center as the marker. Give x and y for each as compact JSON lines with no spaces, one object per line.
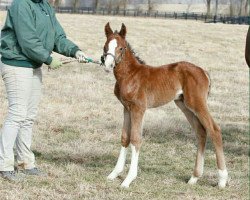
{"x":30,"y":34}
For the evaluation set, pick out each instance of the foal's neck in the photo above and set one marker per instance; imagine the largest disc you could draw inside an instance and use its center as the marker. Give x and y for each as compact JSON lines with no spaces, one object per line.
{"x":127,"y":65}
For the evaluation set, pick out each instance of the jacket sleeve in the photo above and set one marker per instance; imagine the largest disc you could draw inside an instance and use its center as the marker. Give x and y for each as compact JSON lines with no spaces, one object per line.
{"x":247,"y":49}
{"x":24,"y":25}
{"x":62,"y":44}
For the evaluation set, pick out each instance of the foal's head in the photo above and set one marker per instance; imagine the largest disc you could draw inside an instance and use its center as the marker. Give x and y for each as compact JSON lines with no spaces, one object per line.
{"x":115,"y":46}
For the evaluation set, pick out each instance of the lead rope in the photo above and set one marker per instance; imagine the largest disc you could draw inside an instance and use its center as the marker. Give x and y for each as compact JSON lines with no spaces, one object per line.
{"x":88,"y":60}
{"x":70,"y":60}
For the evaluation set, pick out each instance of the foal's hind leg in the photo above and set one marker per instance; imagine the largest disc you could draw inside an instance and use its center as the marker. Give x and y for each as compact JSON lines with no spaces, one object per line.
{"x":213,"y":130}
{"x":125,"y":139}
{"x":201,"y":137}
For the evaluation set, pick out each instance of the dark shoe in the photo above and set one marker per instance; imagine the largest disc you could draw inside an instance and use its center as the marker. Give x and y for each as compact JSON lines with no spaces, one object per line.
{"x":10,"y":176}
{"x":34,"y":171}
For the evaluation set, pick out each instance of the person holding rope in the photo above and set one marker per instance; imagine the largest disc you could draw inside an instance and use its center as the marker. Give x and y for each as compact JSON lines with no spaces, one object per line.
{"x":30,"y":34}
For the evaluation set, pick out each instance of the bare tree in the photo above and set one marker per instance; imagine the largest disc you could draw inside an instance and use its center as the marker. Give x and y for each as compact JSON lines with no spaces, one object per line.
{"x":231,"y":8}
{"x":151,"y":5}
{"x":240,"y":9}
{"x":208,"y":4}
{"x":189,"y":4}
{"x":96,"y":4}
{"x":120,"y":5}
{"x":247,"y":3}
{"x":123,"y":4}
{"x":75,"y":4}
{"x":57,"y":3}
{"x":109,"y":6}
{"x":216,"y":7}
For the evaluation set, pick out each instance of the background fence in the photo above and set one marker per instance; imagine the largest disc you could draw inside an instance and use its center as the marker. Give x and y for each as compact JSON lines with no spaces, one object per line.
{"x":154,"y":14}
{"x":157,"y":14}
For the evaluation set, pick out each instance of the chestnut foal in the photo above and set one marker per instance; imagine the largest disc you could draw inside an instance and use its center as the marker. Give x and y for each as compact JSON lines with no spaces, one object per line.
{"x":139,"y":86}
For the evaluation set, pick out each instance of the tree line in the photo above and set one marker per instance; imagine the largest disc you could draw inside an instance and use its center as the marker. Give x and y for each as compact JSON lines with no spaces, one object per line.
{"x":235,"y":7}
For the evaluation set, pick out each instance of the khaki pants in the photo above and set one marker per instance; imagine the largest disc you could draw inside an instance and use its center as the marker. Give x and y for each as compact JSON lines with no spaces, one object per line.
{"x":23,"y":87}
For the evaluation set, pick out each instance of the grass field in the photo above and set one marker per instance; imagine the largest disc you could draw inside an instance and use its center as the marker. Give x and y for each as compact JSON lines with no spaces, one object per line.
{"x":77,"y":133}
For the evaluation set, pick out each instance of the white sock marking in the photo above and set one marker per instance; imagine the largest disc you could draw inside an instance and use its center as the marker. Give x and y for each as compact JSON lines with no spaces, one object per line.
{"x":133,"y":168}
{"x":202,"y":165}
{"x":223,"y":176}
{"x":193,"y":180}
{"x":119,"y":165}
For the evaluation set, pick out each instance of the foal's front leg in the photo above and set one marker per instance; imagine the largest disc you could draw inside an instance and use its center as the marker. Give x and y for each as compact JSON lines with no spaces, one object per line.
{"x":125,"y":142}
{"x":135,"y":140}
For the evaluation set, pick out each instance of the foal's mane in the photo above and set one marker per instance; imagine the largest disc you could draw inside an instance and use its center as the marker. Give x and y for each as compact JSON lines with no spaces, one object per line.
{"x":133,"y":51}
{"x":135,"y":54}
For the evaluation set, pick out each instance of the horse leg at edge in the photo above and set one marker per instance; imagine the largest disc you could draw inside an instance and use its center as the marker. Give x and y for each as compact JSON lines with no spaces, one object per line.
{"x":213,"y":130}
{"x":201,"y":138}
{"x":135,"y":140}
{"x":215,"y":133}
{"x":125,"y":139}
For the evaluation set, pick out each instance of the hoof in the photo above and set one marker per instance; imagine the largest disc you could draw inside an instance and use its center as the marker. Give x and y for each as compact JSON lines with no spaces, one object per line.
{"x":193,"y":180}
{"x":222,"y":184}
{"x":127,"y":181}
{"x":112,"y":176}
{"x":223,"y":177}
{"x":125,"y":185}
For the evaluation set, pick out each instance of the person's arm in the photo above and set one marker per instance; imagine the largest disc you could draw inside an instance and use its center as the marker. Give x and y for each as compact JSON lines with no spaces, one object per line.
{"x":247,"y":49}
{"x":63,"y":45}
{"x":24,"y":25}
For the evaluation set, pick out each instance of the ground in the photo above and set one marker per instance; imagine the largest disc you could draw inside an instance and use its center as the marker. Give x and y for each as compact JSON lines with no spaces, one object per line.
{"x":77,"y":132}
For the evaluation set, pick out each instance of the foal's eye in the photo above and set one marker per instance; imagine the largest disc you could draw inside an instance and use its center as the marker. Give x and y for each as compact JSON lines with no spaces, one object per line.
{"x":121,"y":49}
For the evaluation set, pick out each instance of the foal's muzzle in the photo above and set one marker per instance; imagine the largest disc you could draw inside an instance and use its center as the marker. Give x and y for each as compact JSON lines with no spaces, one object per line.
{"x":110,"y":66}
{"x":116,"y":61}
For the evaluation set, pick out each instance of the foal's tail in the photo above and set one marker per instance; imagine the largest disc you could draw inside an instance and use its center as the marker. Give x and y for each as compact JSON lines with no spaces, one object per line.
{"x":209,"y":79}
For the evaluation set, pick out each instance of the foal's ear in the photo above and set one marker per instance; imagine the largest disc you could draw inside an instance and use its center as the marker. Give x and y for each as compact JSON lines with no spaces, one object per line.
{"x":123,"y":31}
{"x":108,"y":30}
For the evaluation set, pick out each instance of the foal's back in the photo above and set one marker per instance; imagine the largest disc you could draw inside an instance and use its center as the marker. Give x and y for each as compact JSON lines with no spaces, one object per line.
{"x":169,"y":82}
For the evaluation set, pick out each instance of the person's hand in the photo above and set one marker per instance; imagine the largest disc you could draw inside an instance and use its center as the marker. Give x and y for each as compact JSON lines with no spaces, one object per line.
{"x":81,"y":57}
{"x":55,"y":64}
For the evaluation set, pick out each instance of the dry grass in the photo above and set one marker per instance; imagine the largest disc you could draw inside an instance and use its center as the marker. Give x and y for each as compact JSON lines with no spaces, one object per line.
{"x":77,"y":134}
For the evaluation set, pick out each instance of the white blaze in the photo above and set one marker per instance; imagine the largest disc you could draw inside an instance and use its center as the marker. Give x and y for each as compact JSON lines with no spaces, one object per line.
{"x":109,"y":61}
